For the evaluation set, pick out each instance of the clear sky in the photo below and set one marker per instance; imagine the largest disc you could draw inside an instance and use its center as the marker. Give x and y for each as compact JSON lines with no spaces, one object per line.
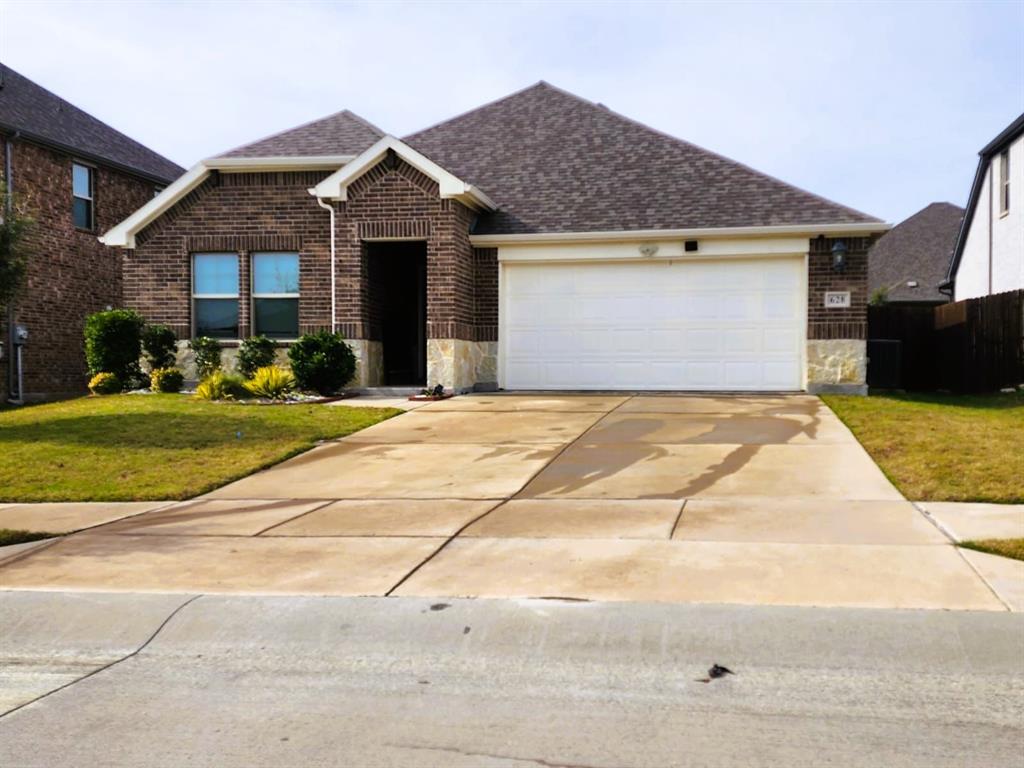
{"x":881,"y":106}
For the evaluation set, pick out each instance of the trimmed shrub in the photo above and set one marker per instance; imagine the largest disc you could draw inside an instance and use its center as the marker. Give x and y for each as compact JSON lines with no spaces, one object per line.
{"x":221,"y":386}
{"x":105,"y":383}
{"x":254,"y":353}
{"x":272,"y":382}
{"x":166,"y":380}
{"x":160,"y":345}
{"x":113,"y":344}
{"x":322,"y":362}
{"x":207,"y":353}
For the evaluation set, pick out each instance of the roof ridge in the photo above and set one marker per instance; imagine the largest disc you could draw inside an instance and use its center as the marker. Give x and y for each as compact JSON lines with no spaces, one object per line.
{"x":939,"y":202}
{"x":719,"y":156}
{"x":485,"y":105}
{"x":346,"y":112}
{"x":543,"y":84}
{"x":361,"y":119}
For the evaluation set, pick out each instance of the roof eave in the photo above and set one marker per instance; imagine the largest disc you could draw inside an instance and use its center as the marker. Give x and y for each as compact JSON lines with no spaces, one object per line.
{"x":852,"y":229}
{"x":123,"y":235}
{"x":157,"y":178}
{"x":279,"y":162}
{"x":1006,"y":136}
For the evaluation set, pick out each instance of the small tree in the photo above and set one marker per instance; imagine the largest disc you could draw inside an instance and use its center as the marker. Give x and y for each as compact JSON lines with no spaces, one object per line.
{"x":322,"y":362}
{"x":14,"y":248}
{"x":254,"y":353}
{"x":159,"y":343}
{"x":207,"y":354}
{"x":113,"y":343}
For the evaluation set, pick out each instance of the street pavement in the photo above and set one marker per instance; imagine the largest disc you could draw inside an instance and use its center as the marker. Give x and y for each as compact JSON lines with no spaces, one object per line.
{"x":92,"y":679}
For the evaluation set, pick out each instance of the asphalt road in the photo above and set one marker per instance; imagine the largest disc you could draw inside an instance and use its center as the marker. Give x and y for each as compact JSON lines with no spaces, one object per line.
{"x":364,"y":682}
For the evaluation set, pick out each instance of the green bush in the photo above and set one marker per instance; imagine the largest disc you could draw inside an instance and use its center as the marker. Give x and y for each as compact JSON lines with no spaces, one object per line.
{"x":105,"y":383}
{"x":160,"y":345}
{"x":254,"y":353}
{"x":113,"y":343}
{"x":166,"y":380}
{"x":207,"y":354}
{"x":221,"y":386}
{"x":272,"y":382}
{"x":322,"y":362}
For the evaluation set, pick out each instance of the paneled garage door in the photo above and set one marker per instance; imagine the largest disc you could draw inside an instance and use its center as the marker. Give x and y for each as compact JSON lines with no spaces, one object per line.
{"x":662,"y":325}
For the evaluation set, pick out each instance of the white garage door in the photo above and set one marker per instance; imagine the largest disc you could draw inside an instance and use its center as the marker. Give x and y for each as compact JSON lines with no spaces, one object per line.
{"x":680,"y":325}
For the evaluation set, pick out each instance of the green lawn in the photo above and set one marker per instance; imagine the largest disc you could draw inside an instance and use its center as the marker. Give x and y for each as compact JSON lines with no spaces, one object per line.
{"x":143,"y":447}
{"x":1005,"y":547}
{"x":943,"y":447}
{"x":10,"y":536}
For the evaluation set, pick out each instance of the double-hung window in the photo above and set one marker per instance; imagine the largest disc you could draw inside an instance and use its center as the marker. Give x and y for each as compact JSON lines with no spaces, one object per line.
{"x":81,"y":196}
{"x":275,"y":295}
{"x":215,"y":295}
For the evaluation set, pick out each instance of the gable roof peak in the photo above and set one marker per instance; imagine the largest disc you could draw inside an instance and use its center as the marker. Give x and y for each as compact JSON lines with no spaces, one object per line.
{"x":339,"y":133}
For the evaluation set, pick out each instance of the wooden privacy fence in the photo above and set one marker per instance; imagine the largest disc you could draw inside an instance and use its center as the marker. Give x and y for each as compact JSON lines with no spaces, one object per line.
{"x":975,"y":345}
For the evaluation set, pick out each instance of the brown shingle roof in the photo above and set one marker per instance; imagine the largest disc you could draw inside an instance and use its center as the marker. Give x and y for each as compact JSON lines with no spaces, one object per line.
{"x":557,"y":163}
{"x":343,"y":133}
{"x":46,"y":118}
{"x":919,"y":248}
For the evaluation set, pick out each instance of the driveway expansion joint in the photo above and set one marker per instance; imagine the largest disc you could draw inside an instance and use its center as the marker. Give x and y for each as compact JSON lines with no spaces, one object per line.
{"x":293,"y":518}
{"x":437,"y":551}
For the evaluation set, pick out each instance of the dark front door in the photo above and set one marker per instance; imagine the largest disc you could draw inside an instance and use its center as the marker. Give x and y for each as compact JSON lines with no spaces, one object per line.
{"x":399,"y":277}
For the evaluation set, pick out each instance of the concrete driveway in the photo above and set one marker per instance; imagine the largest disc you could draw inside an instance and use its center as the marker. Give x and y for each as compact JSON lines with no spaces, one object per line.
{"x":653,"y":498}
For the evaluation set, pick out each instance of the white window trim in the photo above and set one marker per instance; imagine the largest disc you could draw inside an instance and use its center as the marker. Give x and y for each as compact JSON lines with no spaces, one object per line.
{"x":236,"y":296}
{"x":253,"y":295}
{"x":91,"y":198}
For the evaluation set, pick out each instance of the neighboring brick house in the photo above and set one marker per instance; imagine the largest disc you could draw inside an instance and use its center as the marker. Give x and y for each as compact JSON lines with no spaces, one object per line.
{"x":76,"y":177}
{"x":539,"y":242}
{"x":909,"y":263}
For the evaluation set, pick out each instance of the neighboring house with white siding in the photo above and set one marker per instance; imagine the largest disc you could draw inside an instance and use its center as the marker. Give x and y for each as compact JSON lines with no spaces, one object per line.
{"x":989,"y":253}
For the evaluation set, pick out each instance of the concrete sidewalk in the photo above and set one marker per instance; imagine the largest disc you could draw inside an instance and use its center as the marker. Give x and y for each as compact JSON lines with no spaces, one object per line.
{"x":244,"y":682}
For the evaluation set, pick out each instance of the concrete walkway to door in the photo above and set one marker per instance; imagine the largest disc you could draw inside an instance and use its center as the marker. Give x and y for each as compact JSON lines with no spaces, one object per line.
{"x":725,"y":499}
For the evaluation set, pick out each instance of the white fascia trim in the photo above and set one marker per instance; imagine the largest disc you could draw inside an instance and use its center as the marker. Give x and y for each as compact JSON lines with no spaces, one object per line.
{"x":297,"y":163}
{"x":788,"y":230}
{"x":123,"y":235}
{"x":335,"y":186}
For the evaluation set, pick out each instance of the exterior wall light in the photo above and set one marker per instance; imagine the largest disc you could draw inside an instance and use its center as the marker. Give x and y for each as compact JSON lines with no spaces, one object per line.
{"x":839,"y":256}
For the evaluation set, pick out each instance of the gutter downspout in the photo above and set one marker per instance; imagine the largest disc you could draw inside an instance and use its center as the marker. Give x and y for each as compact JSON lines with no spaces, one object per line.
{"x":334,"y":278}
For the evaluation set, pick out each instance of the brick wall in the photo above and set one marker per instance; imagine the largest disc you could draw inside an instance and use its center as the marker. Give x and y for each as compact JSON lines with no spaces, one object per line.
{"x":847,"y":323}
{"x":238,"y":213}
{"x":395,"y":201}
{"x":242,"y":213}
{"x":486,"y":263}
{"x":70,"y":273}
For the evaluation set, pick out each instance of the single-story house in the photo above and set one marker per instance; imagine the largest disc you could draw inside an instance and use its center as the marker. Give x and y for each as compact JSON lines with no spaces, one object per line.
{"x":909,"y":262}
{"x":989,"y":253}
{"x":539,"y":242}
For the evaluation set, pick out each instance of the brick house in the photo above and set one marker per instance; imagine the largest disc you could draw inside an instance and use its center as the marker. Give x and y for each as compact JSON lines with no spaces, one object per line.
{"x":76,"y":177}
{"x":538,"y":242}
